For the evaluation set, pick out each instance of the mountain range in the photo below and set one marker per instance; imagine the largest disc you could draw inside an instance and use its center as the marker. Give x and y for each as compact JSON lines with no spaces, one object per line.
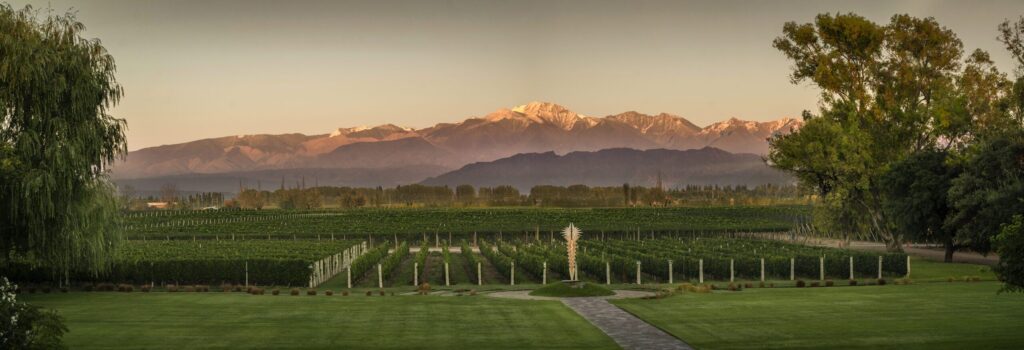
{"x":613,"y":167}
{"x":536,"y":127}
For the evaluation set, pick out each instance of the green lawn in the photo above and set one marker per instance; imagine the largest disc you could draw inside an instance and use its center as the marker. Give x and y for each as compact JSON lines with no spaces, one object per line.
{"x":936,"y":315}
{"x":240,"y":321}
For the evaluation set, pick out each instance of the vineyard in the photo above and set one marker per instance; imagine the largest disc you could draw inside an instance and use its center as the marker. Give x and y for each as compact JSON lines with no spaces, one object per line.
{"x":460,"y":221}
{"x":618,"y":261}
{"x":275,"y":262}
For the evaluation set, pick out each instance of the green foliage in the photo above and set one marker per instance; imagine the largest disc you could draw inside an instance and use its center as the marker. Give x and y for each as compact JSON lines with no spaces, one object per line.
{"x":990,"y":191}
{"x":887,"y":91}
{"x":276,"y":262}
{"x":916,"y":198}
{"x":1010,"y":246}
{"x":56,"y":88}
{"x":24,"y":326}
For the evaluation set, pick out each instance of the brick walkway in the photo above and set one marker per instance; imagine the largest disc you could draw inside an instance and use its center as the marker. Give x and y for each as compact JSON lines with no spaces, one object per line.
{"x":627,"y":330}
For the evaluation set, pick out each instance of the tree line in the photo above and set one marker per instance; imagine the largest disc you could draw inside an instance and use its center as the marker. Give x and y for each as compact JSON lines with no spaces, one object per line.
{"x":498,"y":196}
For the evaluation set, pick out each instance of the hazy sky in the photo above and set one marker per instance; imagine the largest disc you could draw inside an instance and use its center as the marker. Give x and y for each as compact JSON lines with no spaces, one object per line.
{"x":198,"y":69}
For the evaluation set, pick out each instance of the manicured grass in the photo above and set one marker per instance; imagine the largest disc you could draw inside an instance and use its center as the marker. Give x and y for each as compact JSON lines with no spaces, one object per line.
{"x":940,"y":315}
{"x":923,"y":270}
{"x":239,"y":321}
{"x":563,"y":290}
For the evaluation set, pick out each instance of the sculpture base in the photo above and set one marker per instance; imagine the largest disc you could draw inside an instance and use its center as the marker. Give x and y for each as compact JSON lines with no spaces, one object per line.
{"x":574,"y":283}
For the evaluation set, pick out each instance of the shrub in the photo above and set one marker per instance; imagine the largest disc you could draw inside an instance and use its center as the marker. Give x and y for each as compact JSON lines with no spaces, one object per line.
{"x":853,"y":282}
{"x":800,"y":283}
{"x":189,"y":289}
{"x":760,"y":285}
{"x":748,"y":285}
{"x":344,"y":293}
{"x":815,"y":284}
{"x":26,"y":326}
{"x":472,"y":292}
{"x":382,"y":293}
{"x":294,"y":291}
{"x":256,"y":291}
{"x":829,"y":283}
{"x":202,"y":288}
{"x":771,"y":285}
{"x":424,"y":288}
{"x":106,"y":287}
{"x":226,"y":287}
{"x":236,"y":289}
{"x":127,"y":288}
{"x":975,"y":278}
{"x":275,"y":291}
{"x":881,"y":281}
{"x":369,"y":293}
{"x":145,"y":288}
{"x":172,"y":288}
{"x":88,"y":287}
{"x":311,"y":292}
{"x":329,"y":292}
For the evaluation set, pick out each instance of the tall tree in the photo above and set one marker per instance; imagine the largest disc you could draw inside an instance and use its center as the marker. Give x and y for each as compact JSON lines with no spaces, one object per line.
{"x":56,"y":141}
{"x":887,"y":91}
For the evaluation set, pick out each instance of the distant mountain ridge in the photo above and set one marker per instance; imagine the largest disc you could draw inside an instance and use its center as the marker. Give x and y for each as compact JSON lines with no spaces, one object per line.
{"x":613,"y":167}
{"x":530,"y":128}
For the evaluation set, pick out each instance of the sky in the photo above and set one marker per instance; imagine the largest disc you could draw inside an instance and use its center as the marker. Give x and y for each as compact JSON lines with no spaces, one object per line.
{"x":201,"y":69}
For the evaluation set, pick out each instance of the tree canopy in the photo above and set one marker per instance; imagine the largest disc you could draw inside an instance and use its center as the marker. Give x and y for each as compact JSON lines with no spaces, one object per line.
{"x":887,"y":91}
{"x":57,"y":141}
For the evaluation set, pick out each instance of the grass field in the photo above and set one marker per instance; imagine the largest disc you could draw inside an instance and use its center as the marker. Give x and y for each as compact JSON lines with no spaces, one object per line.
{"x":239,"y":321}
{"x":931,"y":315}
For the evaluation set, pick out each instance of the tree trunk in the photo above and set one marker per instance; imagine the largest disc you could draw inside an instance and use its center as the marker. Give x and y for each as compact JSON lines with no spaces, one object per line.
{"x":950,"y":248}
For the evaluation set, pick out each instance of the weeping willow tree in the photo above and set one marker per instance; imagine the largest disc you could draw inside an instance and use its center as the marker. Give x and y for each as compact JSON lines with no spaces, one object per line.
{"x":58,"y":210}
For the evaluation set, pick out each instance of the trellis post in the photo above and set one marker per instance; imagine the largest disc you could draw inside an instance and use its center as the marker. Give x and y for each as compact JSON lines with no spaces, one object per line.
{"x":512,"y":275}
{"x":701,"y":262}
{"x":380,"y":277}
{"x":732,"y":270}
{"x":879,"y":267}
{"x":348,"y":272}
{"x":607,"y":272}
{"x":479,"y":277}
{"x":762,"y":269}
{"x":851,"y":267}
{"x":821,"y":268}
{"x":544,"y":279}
{"x":446,"y":280}
{"x":416,"y":273}
{"x":792,"y":269}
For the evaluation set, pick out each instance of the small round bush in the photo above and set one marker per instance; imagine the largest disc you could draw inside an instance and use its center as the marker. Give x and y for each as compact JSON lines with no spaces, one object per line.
{"x":344,"y":293}
{"x":881,"y":281}
{"x":275,"y":292}
{"x":311,"y":292}
{"x":369,"y":293}
{"x":829,"y":283}
{"x":145,"y":288}
{"x":294,"y":291}
{"x":329,"y":292}
{"x":853,"y":282}
{"x":800,"y":283}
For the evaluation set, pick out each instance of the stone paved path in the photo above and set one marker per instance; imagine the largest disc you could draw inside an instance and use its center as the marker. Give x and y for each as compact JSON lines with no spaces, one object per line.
{"x":627,"y":330}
